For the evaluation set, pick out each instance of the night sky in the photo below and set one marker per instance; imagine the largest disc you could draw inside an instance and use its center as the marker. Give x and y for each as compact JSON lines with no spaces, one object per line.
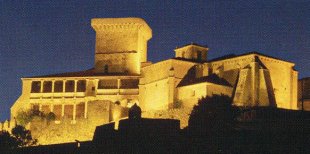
{"x":39,"y":38}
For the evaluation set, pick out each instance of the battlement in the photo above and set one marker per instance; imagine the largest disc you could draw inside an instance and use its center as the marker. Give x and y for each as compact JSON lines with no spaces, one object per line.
{"x":105,"y":24}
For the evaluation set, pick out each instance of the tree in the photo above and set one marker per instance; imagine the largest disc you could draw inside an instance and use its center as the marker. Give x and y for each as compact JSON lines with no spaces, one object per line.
{"x":24,"y":117}
{"x":7,"y":142}
{"x":212,"y":115}
{"x":23,"y":136}
{"x":210,"y":124}
{"x":20,"y":137}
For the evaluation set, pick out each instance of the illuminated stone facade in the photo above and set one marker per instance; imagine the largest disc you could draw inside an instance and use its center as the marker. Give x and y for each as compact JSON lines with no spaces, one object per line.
{"x":304,"y":94}
{"x":122,"y":76}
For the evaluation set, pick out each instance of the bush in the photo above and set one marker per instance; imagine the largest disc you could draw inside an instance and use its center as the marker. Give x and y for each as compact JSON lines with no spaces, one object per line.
{"x":23,"y":117}
{"x":7,"y":142}
{"x":23,"y":136}
{"x":37,"y":114}
{"x":212,"y":115}
{"x":50,"y":116}
{"x":20,"y":137}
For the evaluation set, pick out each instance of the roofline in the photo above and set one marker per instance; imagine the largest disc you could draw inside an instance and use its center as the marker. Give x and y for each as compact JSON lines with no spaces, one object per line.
{"x":304,"y":78}
{"x":82,"y":77}
{"x":194,"y":44}
{"x":253,"y":53}
{"x":171,"y":59}
{"x":117,"y":21}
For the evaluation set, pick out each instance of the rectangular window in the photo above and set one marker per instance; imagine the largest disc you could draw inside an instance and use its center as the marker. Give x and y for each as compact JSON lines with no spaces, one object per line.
{"x":81,"y":86}
{"x":47,"y":86}
{"x":306,"y":89}
{"x":35,"y":107}
{"x":57,"y":111}
{"x":107,"y":84}
{"x":58,"y":86}
{"x":199,"y":55}
{"x":80,"y":110}
{"x":68,"y":111}
{"x":45,"y":109}
{"x":129,"y":83}
{"x":36,"y":87}
{"x":70,"y":86}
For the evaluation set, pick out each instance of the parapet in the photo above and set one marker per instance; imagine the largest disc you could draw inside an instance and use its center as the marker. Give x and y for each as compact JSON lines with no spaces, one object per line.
{"x":104,"y":24}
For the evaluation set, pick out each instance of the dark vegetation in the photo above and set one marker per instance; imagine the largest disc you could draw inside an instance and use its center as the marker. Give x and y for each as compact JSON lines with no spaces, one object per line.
{"x":214,"y":127}
{"x":24,"y":117}
{"x":20,"y":137}
{"x":210,"y":125}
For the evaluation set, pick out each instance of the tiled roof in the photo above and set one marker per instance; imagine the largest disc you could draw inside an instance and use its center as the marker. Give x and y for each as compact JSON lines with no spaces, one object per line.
{"x":89,"y":72}
{"x":203,"y":46}
{"x":189,"y":60}
{"x":229,"y":56}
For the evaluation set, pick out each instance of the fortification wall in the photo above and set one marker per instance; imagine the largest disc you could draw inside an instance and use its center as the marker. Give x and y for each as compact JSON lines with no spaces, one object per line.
{"x":99,"y":112}
{"x":181,"y":114}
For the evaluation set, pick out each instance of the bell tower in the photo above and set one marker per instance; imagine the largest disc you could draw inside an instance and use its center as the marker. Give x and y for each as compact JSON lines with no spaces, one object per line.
{"x":121,"y":44}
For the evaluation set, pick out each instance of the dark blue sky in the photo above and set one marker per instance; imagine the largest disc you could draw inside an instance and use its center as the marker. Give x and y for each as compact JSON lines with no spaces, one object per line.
{"x":38,"y":38}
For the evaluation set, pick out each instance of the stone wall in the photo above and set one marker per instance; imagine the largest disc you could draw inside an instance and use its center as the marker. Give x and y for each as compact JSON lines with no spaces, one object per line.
{"x":157,"y":87}
{"x":181,"y":114}
{"x":284,"y":81}
{"x":283,"y":77}
{"x":304,"y":94}
{"x":7,"y":125}
{"x":99,"y":113}
{"x":121,"y":44}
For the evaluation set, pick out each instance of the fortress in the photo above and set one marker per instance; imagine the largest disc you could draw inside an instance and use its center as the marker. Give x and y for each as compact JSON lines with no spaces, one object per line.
{"x":122,"y":76}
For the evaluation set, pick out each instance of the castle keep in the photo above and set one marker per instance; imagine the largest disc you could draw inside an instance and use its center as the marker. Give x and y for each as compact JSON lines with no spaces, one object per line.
{"x":122,"y":76}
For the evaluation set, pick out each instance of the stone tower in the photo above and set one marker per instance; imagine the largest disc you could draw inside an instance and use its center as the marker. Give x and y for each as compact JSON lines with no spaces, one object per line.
{"x":192,"y":52}
{"x":121,"y":44}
